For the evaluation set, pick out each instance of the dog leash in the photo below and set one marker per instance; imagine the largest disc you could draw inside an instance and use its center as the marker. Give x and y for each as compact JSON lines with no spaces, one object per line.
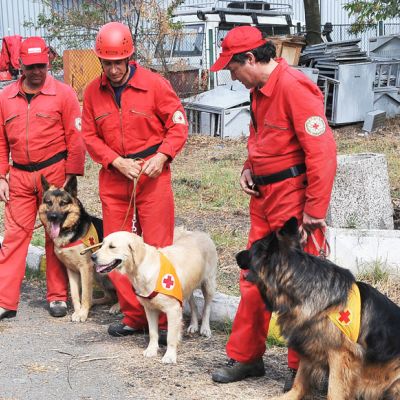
{"x":132,"y":202}
{"x":324,"y":250}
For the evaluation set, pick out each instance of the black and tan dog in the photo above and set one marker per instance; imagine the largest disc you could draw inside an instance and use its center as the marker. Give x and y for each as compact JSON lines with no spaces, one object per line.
{"x":72,"y":230}
{"x":311,"y":298}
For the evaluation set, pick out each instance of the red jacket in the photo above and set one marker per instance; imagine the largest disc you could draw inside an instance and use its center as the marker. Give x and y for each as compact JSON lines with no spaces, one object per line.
{"x":150,"y":113}
{"x":290,"y":128}
{"x":37,"y":131}
{"x":9,"y":55}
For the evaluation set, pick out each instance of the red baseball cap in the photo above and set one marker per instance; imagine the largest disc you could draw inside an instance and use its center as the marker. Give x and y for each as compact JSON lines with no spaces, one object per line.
{"x":238,"y":40}
{"x":34,"y":51}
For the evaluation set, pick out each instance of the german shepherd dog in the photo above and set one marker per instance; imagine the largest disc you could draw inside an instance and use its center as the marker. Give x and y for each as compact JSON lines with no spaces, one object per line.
{"x":304,"y":289}
{"x":67,"y":223}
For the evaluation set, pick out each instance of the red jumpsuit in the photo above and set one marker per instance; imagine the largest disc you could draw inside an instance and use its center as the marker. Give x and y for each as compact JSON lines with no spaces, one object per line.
{"x":32,"y":133}
{"x":288,"y":128}
{"x":150,"y":114}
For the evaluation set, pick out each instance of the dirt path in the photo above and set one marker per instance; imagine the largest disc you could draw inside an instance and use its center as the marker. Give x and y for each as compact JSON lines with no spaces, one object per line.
{"x":46,"y":358}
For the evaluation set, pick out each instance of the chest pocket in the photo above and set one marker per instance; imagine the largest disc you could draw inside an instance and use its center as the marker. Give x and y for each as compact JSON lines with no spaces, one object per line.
{"x":13,"y":127}
{"x":108,"y":126}
{"x":142,"y":121}
{"x":47,"y":120}
{"x":275,"y":137}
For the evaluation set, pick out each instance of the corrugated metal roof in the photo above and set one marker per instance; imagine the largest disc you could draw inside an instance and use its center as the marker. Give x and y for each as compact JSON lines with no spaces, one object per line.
{"x":13,"y":14}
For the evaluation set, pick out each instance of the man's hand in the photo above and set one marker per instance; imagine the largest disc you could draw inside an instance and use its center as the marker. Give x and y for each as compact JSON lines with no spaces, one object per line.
{"x":154,"y":165}
{"x":310,"y":223}
{"x":4,"y":191}
{"x":247,"y":184}
{"x":128,"y":167}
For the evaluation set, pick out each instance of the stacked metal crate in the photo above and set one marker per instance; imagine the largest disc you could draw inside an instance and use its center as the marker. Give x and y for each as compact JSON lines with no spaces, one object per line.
{"x":346,"y":78}
{"x":385,"y":52}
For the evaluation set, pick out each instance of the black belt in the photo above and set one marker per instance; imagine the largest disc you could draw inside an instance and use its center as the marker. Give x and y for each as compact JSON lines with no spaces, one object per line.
{"x":46,"y":163}
{"x":144,"y":153}
{"x":279,"y":176}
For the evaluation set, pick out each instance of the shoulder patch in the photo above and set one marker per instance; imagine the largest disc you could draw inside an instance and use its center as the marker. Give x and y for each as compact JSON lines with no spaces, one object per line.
{"x":178,"y":118}
{"x":315,"y":126}
{"x":78,"y":124}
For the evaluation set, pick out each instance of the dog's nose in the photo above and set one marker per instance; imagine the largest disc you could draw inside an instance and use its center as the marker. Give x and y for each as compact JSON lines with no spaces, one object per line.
{"x":94,"y":257}
{"x":52,"y":216}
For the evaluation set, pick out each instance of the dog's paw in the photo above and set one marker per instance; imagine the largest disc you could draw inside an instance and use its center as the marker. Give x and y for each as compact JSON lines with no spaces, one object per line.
{"x":205,"y":331}
{"x":150,"y":352}
{"x":79,"y":316}
{"x":193,"y":328}
{"x":115,"y":309}
{"x":169,"y":357}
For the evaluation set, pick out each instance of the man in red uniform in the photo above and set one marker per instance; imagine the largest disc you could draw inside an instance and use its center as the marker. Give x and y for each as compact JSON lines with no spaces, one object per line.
{"x":133,"y":124}
{"x":40,"y":130}
{"x":289,"y":172}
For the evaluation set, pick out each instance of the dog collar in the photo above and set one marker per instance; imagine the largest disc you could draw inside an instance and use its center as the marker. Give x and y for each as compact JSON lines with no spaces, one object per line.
{"x":91,"y":238}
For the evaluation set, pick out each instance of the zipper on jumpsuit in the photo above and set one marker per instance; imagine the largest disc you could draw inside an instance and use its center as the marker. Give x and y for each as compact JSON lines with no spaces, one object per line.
{"x":134,"y":229}
{"x":35,"y":189}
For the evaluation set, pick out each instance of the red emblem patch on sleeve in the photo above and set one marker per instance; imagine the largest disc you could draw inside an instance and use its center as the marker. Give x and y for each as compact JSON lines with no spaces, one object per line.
{"x":315,"y":126}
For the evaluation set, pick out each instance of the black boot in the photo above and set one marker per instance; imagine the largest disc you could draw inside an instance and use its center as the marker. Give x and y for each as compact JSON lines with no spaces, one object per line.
{"x":4,"y":313}
{"x":289,"y":380}
{"x":236,"y":371}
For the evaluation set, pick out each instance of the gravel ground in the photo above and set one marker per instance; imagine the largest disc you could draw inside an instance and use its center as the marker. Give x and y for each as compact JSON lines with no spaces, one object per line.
{"x":52,"y":358}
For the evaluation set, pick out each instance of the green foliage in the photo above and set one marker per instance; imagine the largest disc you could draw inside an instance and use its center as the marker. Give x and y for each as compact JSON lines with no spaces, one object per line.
{"x":38,"y":238}
{"x":373,"y":273}
{"x":368,"y":13}
{"x":75,"y":25}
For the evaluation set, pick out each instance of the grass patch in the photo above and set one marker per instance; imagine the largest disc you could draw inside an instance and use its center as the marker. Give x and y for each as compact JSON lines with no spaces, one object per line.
{"x":38,"y":238}
{"x":373,"y":273}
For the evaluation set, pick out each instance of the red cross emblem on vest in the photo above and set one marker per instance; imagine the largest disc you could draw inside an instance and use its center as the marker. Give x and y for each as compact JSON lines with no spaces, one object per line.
{"x":91,"y":241}
{"x":345,"y":317}
{"x":168,"y":282}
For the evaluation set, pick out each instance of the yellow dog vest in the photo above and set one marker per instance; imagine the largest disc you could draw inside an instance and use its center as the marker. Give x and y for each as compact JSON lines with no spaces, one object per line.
{"x":168,"y":282}
{"x":348,"y":320}
{"x":90,"y":239}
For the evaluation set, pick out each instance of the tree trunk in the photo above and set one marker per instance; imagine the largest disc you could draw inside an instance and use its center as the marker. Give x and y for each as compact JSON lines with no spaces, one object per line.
{"x":313,"y":21}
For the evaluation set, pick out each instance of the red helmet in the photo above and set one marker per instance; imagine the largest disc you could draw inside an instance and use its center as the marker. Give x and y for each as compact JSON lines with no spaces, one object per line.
{"x":114,"y":42}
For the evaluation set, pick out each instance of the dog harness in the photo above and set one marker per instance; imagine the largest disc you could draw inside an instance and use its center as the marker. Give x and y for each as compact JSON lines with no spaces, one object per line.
{"x":91,"y":238}
{"x":349,"y":319}
{"x":167,"y":283}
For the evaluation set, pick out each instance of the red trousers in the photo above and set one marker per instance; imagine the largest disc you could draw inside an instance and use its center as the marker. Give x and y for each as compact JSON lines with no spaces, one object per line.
{"x":278,"y":202}
{"x":155,"y":215}
{"x":20,"y":215}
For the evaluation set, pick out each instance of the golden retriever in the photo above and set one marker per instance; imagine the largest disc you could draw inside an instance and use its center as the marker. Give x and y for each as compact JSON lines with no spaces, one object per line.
{"x":194,"y":256}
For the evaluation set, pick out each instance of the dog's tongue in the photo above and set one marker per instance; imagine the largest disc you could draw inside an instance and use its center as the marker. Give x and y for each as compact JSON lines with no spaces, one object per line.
{"x":54,"y":230}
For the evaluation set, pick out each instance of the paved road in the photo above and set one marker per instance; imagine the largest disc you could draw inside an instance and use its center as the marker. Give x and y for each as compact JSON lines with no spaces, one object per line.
{"x":45,"y":358}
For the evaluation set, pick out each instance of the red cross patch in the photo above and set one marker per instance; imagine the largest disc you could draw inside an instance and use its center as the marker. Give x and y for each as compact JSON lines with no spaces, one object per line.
{"x":168,"y":281}
{"x":315,"y":126}
{"x":345,"y":317}
{"x":178,"y":118}
{"x":92,"y":241}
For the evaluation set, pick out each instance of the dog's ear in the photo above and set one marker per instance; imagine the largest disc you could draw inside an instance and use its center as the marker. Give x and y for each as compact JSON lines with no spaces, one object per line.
{"x":45,"y":184}
{"x":137,"y":248}
{"x":290,"y":228}
{"x":72,"y":186}
{"x":243,"y":259}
